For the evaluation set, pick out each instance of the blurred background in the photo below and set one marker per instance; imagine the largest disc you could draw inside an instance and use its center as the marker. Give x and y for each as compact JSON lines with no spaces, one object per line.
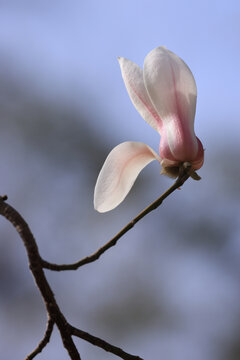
{"x":170,"y":289}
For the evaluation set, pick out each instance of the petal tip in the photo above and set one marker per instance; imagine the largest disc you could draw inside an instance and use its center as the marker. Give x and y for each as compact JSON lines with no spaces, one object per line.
{"x":104,"y":206}
{"x":99,"y":207}
{"x":120,"y":59}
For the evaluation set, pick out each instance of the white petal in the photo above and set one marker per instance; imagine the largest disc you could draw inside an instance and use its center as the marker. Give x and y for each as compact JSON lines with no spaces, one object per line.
{"x":170,"y":85}
{"x":119,"y":173}
{"x":133,"y":78}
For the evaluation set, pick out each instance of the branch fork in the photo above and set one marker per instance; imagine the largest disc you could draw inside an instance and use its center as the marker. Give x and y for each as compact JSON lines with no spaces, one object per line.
{"x":37,"y":266}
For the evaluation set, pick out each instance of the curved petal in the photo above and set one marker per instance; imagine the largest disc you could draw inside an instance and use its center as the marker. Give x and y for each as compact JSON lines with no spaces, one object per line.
{"x":170,"y":84}
{"x":172,"y":89}
{"x":133,"y":78}
{"x":119,"y":173}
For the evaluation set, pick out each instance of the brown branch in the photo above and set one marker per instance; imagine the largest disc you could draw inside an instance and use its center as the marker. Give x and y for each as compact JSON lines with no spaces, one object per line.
{"x":103,"y":344}
{"x":35,"y":266}
{"x":53,"y":310}
{"x":184,"y":174}
{"x":44,"y":341}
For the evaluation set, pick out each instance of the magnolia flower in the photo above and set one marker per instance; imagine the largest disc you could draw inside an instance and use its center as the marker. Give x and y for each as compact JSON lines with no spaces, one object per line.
{"x":164,"y":93}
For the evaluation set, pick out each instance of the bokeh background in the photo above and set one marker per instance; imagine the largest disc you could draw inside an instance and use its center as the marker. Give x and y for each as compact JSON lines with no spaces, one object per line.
{"x":170,"y":289}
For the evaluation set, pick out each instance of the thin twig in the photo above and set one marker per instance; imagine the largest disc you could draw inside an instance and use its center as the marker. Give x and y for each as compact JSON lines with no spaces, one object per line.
{"x":103,"y":344}
{"x":183,"y":176}
{"x":44,"y":341}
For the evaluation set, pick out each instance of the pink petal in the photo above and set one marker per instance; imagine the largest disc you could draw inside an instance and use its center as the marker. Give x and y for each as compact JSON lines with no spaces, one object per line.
{"x":172,"y":89}
{"x":133,"y":78}
{"x":119,"y":173}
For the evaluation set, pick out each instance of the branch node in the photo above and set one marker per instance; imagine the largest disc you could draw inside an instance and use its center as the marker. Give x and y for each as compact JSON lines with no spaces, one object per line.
{"x":4,"y":197}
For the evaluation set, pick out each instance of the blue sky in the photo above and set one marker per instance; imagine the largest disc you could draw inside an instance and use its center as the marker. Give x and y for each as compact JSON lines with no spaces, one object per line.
{"x":65,"y":47}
